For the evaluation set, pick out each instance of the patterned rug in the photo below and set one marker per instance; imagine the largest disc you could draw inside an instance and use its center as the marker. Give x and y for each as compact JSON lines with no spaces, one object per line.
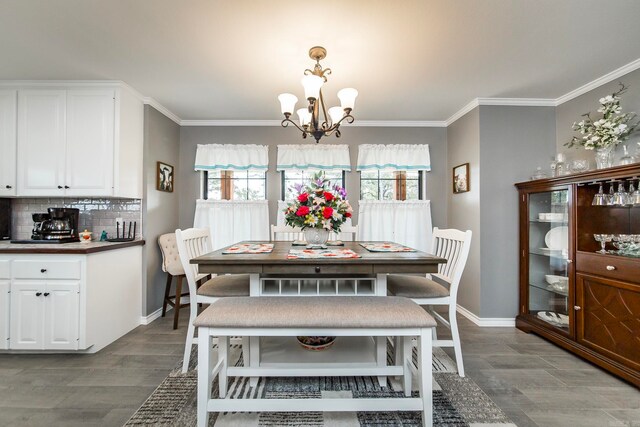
{"x":457,"y":401}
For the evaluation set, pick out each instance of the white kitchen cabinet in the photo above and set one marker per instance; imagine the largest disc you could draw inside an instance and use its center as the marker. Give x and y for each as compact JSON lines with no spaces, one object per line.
{"x":90,"y":142}
{"x":61,"y":313}
{"x":27,"y":315}
{"x":69,"y":302}
{"x":78,"y":141}
{"x":41,"y":142}
{"x":8,"y":140}
{"x":4,"y":314}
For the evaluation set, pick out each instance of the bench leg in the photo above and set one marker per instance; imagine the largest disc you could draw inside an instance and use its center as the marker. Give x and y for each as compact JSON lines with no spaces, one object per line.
{"x":381,"y":357}
{"x":245,"y":351}
{"x":204,"y":375}
{"x":406,"y":350}
{"x":223,"y":355}
{"x":425,"y":376}
{"x":254,"y":358}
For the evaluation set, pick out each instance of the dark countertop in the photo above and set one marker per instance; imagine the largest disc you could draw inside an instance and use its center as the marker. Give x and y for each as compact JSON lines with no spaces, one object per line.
{"x":64,"y":248}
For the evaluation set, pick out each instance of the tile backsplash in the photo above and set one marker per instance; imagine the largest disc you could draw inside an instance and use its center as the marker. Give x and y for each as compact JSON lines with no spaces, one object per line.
{"x":96,"y":214}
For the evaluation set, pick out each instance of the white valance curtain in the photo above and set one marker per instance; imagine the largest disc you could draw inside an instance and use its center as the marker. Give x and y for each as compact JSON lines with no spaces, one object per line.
{"x":231,"y":221}
{"x":406,"y":222}
{"x":315,"y":157}
{"x":237,"y":157}
{"x":399,"y":157}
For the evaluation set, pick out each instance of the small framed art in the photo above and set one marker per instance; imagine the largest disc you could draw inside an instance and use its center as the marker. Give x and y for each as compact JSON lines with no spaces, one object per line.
{"x":461,"y":178}
{"x":165,"y":176}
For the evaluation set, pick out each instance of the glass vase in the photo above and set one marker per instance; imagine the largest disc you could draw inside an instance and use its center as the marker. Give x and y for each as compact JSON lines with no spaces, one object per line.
{"x":604,"y":157}
{"x":316,"y":237}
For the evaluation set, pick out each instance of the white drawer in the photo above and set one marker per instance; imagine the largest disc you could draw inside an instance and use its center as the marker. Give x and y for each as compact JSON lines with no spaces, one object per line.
{"x":46,"y":269}
{"x":4,"y":269}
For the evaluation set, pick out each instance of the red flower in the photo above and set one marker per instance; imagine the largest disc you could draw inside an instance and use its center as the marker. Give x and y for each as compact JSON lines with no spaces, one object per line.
{"x":327,"y":212}
{"x":348,"y":214}
{"x":328,"y":196}
{"x":303,"y":197}
{"x":302,"y":211}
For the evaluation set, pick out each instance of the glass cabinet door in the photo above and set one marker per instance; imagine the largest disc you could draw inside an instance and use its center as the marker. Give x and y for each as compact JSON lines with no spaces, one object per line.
{"x":548,"y":270}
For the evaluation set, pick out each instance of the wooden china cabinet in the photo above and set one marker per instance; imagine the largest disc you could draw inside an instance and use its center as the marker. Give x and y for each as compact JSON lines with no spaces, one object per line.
{"x":584,"y":301}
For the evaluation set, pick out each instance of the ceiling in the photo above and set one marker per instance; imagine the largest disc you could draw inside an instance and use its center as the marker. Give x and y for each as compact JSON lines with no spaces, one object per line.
{"x":410,"y":60}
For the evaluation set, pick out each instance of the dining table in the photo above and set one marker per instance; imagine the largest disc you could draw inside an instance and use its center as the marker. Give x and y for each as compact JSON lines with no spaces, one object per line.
{"x":283,"y":268}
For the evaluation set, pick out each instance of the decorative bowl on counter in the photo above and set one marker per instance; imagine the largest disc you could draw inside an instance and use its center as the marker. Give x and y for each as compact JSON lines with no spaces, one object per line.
{"x":85,"y":236}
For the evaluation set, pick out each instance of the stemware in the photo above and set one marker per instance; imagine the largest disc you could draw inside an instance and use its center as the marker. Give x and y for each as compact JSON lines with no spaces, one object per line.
{"x":626,"y":158}
{"x":603,"y":239}
{"x":634,"y":196}
{"x":620,"y":196}
{"x":599,"y":199}
{"x":611,"y":192}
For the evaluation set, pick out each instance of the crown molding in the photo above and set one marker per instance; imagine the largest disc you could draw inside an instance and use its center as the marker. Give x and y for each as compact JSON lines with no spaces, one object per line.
{"x":461,"y":112}
{"x":518,"y":102}
{"x":615,"y":74}
{"x":231,"y":123}
{"x":400,"y":123}
{"x":162,"y":109}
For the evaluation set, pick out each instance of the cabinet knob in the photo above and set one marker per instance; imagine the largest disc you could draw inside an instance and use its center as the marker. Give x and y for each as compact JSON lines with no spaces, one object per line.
{"x":8,"y":187}
{"x":317,"y":269}
{"x":43,"y":270}
{"x":59,"y":187}
{"x":46,"y":294}
{"x":611,"y":267}
{"x":577,"y":308}
{"x":38,"y":294}
{"x":67,"y":187}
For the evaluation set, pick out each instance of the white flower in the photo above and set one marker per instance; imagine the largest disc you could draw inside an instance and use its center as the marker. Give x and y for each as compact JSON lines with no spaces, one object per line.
{"x":336,"y":215}
{"x":326,"y":224}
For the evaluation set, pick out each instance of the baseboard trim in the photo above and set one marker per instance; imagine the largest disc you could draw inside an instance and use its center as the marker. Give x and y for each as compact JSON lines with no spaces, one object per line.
{"x":487,"y":322}
{"x":145,"y":320}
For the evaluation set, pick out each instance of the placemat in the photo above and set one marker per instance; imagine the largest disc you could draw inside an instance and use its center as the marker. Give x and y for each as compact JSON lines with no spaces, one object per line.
{"x":249,"y":248}
{"x":386,"y":247}
{"x":321,"y":253}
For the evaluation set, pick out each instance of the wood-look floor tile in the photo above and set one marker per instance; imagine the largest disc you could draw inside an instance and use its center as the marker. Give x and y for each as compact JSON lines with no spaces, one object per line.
{"x":625,"y":397}
{"x":567,"y":398}
{"x":572,"y":418}
{"x":586,"y":377}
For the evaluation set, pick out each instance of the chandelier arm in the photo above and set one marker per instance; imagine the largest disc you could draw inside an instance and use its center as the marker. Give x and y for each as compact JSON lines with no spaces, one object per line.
{"x":348,"y":117}
{"x":285,"y":123}
{"x":325,"y":122}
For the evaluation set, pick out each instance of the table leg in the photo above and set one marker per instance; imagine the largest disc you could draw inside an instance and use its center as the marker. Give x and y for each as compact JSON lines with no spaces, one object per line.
{"x":254,"y":342}
{"x":381,"y":342}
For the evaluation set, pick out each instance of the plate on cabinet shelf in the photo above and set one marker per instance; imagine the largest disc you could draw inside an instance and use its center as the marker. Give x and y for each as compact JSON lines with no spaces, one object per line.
{"x":556,"y":319}
{"x":557,"y":238}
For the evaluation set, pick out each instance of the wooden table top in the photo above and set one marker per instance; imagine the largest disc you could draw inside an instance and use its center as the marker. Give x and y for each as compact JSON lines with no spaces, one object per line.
{"x":276,"y":262}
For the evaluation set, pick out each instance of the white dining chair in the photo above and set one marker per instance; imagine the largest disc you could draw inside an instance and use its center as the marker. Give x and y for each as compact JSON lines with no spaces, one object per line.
{"x":192,"y":243}
{"x":440,"y":288}
{"x":285,"y":233}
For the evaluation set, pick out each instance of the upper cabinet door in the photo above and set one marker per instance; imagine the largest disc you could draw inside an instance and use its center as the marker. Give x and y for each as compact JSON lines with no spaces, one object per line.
{"x":90,"y":142}
{"x":8,"y":125}
{"x":41,"y":142}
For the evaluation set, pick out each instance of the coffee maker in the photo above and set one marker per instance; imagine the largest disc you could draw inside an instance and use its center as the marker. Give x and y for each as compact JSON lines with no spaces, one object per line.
{"x":58,"y":225}
{"x":62,"y":225}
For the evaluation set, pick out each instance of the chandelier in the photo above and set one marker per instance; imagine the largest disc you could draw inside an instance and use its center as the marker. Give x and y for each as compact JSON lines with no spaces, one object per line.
{"x":310,"y":120}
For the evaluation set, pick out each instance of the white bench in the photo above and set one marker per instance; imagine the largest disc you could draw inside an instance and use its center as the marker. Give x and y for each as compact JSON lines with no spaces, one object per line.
{"x":317,"y":316}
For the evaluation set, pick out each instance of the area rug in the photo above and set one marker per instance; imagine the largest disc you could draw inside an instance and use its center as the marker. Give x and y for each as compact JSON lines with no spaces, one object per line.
{"x":457,"y":401}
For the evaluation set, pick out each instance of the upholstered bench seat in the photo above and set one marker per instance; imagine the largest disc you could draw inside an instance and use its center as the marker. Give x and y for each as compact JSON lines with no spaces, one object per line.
{"x":343,"y":316}
{"x":316,"y":312}
{"x":234,"y":285}
{"x":407,"y":286}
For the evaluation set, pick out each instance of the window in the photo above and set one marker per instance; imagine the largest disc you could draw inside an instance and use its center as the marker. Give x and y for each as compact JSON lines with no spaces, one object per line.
{"x":234,"y":185}
{"x":390,"y":185}
{"x":292,"y":177}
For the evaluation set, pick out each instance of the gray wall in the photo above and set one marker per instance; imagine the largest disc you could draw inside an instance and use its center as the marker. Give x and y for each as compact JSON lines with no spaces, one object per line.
{"x":160,"y":209}
{"x":463,"y":146}
{"x":513,"y":141}
{"x":571,"y":111}
{"x":188,"y":185}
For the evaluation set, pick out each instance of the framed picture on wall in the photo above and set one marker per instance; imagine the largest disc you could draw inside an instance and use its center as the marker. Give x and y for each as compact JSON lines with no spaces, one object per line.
{"x":461,"y":178}
{"x":164,"y":180}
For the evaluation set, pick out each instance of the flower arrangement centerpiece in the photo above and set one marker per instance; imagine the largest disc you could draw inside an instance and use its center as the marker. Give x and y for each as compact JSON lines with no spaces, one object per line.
{"x":604,"y":134}
{"x":319,"y":208}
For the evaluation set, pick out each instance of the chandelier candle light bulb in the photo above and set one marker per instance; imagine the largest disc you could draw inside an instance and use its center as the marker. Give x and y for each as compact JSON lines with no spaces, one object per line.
{"x":316,"y":122}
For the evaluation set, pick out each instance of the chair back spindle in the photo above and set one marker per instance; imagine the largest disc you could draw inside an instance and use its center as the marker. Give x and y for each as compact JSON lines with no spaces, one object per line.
{"x":453,"y":245}
{"x":192,"y":243}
